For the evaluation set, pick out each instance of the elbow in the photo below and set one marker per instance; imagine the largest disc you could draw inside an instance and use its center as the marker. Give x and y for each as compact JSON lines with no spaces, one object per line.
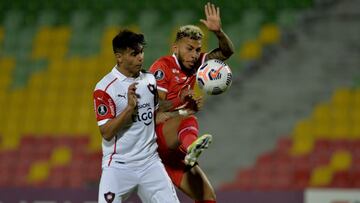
{"x":106,"y":135}
{"x":228,"y":53}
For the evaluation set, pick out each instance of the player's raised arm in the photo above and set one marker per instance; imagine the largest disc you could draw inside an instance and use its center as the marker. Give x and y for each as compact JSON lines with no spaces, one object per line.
{"x":110,"y":128}
{"x":213,"y":23}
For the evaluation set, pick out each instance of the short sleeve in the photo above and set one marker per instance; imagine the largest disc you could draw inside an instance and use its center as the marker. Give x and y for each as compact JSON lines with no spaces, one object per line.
{"x":104,"y":107}
{"x":158,"y":69}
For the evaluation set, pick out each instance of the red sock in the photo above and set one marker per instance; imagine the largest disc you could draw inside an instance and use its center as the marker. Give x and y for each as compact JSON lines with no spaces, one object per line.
{"x":187,"y":132}
{"x":205,"y":201}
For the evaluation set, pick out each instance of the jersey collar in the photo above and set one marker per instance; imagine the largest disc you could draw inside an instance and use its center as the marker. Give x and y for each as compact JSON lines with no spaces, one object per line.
{"x":122,"y":77}
{"x":177,"y":62}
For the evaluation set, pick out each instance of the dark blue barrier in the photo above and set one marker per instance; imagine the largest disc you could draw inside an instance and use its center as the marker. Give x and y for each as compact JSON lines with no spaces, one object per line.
{"x":90,"y":196}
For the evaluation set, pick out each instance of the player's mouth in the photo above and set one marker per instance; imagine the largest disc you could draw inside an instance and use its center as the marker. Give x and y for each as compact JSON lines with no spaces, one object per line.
{"x":191,"y":63}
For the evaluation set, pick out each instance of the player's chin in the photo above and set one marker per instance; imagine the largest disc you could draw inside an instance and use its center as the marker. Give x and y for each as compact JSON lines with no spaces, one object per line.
{"x":189,"y":65}
{"x":138,"y":67}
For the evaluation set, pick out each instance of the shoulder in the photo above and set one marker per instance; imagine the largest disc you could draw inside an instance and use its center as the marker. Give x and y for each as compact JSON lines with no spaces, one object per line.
{"x":147,"y":75}
{"x":162,"y":63}
{"x":106,"y":82}
{"x":162,"y":67}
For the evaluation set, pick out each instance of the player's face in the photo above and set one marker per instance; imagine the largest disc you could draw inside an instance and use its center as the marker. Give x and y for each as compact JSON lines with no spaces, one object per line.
{"x":131,"y":60}
{"x":188,"y":51}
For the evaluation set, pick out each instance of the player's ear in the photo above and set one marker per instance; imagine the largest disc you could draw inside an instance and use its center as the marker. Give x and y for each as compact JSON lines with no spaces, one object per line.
{"x":175,"y":48}
{"x":118,"y":57}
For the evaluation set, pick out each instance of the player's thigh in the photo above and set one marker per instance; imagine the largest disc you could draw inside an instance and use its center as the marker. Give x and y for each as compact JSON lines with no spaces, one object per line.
{"x":170,"y":130}
{"x":116,"y":185}
{"x":196,"y":185}
{"x":155,"y":185}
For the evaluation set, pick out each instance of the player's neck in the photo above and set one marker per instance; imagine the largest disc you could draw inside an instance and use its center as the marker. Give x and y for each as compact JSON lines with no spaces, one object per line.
{"x":126,"y":73}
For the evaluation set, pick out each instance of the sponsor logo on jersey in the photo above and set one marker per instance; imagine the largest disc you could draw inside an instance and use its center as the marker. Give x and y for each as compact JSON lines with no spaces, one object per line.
{"x":145,"y":117}
{"x":143,"y":105}
{"x":122,"y":96}
{"x":109,"y":197}
{"x":102,"y":110}
{"x":159,"y":74}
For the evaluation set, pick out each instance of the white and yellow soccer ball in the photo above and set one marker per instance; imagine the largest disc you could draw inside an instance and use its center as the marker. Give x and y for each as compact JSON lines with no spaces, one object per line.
{"x":214,"y":77}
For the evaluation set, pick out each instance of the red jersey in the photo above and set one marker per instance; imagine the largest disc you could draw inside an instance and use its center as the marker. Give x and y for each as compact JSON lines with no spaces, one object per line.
{"x":171,"y":78}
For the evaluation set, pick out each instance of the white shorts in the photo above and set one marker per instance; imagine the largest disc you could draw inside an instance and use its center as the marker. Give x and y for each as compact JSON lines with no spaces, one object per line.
{"x":151,"y":182}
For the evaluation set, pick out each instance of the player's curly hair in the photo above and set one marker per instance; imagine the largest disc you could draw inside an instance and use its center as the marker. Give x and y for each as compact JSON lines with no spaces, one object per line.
{"x":191,"y":31}
{"x":127,"y":39}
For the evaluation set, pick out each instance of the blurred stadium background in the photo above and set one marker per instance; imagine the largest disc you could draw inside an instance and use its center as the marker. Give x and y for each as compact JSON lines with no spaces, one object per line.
{"x":290,"y":122}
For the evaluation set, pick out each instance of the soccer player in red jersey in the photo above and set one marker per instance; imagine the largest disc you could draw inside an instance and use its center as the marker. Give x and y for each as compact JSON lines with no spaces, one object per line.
{"x":177,"y":129}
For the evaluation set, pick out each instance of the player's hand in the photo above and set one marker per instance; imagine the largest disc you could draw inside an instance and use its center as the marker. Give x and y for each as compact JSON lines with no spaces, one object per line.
{"x":193,"y":103}
{"x":132,"y":96}
{"x":199,"y":102}
{"x":187,"y":92}
{"x":213,"y":20}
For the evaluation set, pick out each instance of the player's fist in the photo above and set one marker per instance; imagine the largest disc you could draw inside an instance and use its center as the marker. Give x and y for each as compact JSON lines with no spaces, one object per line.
{"x":185,"y":93}
{"x":193,"y":103}
{"x":132,"y":96}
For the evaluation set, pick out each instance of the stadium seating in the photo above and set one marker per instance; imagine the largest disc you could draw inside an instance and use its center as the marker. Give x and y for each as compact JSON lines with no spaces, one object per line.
{"x":323,"y":151}
{"x":52,"y":54}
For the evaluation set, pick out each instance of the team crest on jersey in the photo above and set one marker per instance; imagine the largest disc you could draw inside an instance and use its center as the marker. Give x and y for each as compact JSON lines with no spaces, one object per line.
{"x":159,"y":74}
{"x":102,"y":110}
{"x":109,"y":197}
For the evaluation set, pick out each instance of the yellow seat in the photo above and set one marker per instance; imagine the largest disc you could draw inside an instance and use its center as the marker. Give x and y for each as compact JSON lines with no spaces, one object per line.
{"x":7,"y":64}
{"x":341,"y":160}
{"x":250,"y":50}
{"x":11,"y":138}
{"x":302,"y":146}
{"x":95,"y":141}
{"x":39,"y":171}
{"x":321,"y":176}
{"x":61,"y":156}
{"x":341,"y":130}
{"x":42,"y":43}
{"x":5,"y":81}
{"x":341,"y":97}
{"x":355,"y":131}
{"x":269,"y":34}
{"x":322,"y":129}
{"x":322,"y":112}
{"x":355,"y":98}
{"x":303,"y":129}
{"x":36,"y":81}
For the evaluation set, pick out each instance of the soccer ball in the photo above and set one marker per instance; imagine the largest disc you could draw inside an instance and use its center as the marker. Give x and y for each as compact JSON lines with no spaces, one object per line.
{"x":214,"y":77}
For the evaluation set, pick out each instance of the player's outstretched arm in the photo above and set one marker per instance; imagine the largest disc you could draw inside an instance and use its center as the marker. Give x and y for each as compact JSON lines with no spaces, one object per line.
{"x":213,"y":23}
{"x":110,"y":128}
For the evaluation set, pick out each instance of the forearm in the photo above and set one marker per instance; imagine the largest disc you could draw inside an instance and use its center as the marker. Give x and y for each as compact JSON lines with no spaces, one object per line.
{"x":225,"y":44}
{"x":163,"y":116}
{"x":110,"y":128}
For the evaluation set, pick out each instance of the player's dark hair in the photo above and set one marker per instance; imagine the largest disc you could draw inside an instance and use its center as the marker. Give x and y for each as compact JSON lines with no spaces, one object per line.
{"x":127,"y":39}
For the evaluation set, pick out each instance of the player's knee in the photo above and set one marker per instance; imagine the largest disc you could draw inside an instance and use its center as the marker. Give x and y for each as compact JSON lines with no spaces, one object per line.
{"x":164,"y":197}
{"x":207,"y":193}
{"x":189,"y":122}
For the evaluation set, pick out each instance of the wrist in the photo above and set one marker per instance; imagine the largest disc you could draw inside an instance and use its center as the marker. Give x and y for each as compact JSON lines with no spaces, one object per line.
{"x":218,"y":32}
{"x":129,"y":110}
{"x":183,"y":112}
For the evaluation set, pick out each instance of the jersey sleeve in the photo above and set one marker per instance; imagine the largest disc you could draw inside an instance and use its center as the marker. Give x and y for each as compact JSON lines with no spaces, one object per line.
{"x":104,"y":107}
{"x":159,"y":70}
